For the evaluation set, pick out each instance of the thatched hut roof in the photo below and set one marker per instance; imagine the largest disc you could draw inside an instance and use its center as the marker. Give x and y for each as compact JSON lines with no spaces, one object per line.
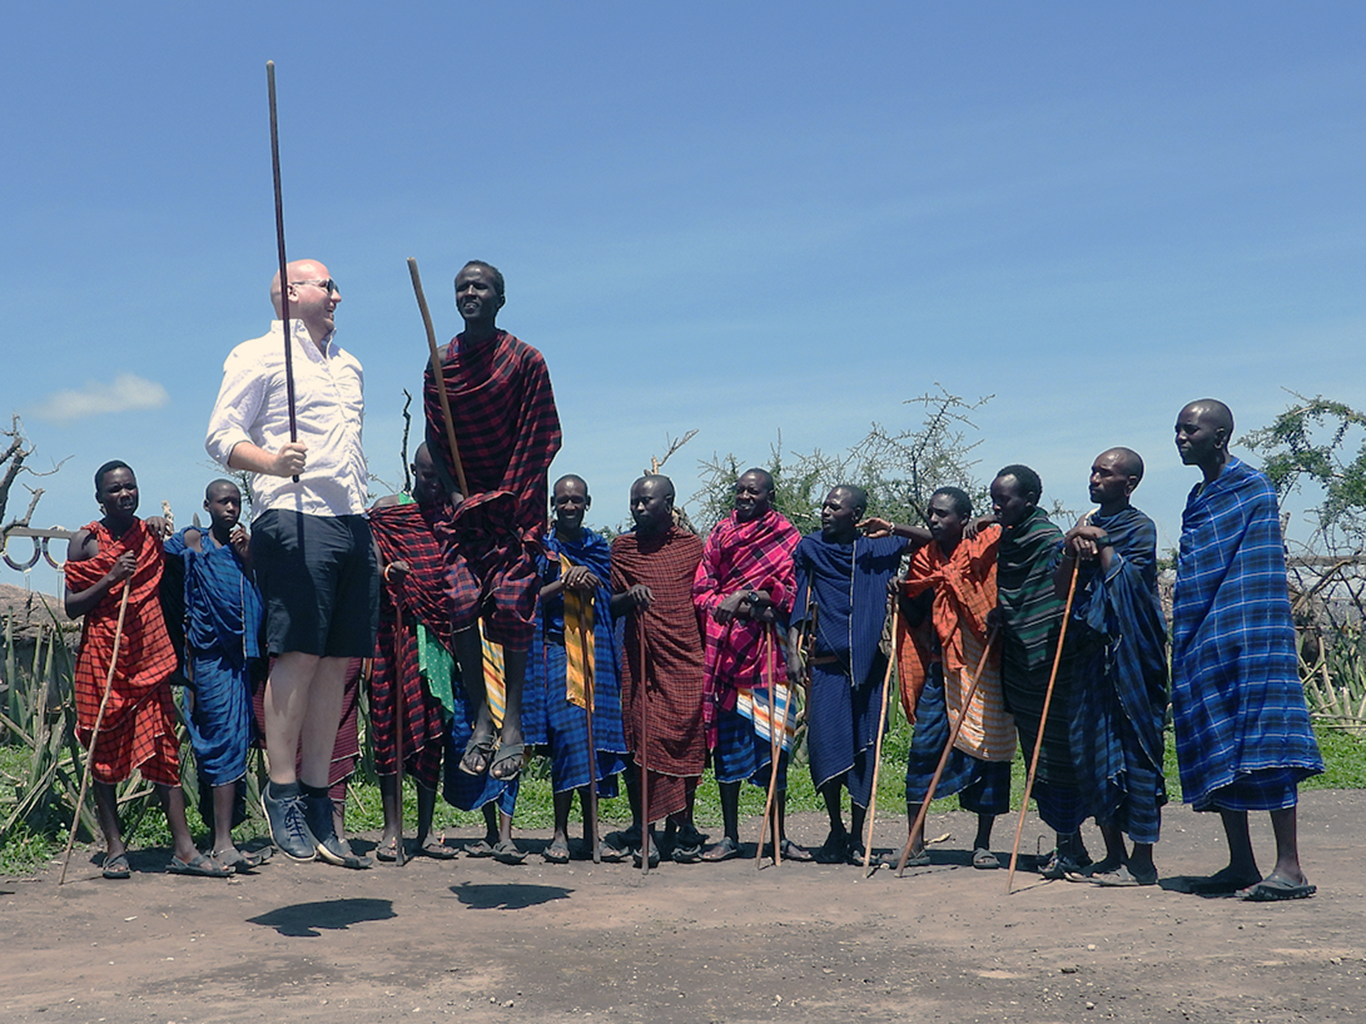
{"x":32,"y":610}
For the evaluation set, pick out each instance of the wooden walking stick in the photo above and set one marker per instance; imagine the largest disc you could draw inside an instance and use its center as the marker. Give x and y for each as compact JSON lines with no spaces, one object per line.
{"x":877,"y":749}
{"x":400,"y":711}
{"x":1043,"y":722}
{"x":919,"y":822}
{"x":280,"y":244}
{"x":95,"y":733}
{"x":775,"y":748}
{"x":644,"y":747}
{"x":438,"y":379}
{"x":589,"y":695}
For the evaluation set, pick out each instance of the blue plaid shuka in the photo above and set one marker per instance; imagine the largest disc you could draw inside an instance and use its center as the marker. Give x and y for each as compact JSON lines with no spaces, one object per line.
{"x":1237,"y":699}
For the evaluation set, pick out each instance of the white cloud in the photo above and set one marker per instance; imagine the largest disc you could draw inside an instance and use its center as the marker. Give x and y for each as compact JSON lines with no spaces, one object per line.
{"x":128,"y":391}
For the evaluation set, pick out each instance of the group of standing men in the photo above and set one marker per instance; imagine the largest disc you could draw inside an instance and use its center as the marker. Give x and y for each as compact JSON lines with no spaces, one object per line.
{"x":1006,"y":627}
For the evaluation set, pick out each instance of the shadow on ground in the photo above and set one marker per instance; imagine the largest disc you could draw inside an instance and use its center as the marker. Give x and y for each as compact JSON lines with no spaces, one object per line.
{"x":304,"y":919}
{"x":507,"y":897}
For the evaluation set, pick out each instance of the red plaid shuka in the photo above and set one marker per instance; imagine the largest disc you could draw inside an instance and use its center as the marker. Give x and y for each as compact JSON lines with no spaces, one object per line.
{"x":739,"y":556}
{"x":405,"y":532}
{"x":508,"y":432}
{"x":138,"y":730}
{"x":673,"y":652}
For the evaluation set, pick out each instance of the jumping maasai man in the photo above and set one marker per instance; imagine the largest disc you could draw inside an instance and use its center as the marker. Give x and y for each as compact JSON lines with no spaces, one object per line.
{"x":310,"y":543}
{"x":222,"y":657}
{"x":575,"y":643}
{"x":652,"y":575}
{"x":842,"y":583}
{"x":1119,"y":673}
{"x":1031,"y":619}
{"x":138,"y":730}
{"x":414,"y":657}
{"x":1243,"y":738}
{"x":744,"y":589}
{"x":958,"y":575}
{"x":507,"y":432}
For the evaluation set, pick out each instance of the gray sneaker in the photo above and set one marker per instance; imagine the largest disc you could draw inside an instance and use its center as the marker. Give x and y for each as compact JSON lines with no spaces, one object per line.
{"x":288,"y":829}
{"x":326,"y":843}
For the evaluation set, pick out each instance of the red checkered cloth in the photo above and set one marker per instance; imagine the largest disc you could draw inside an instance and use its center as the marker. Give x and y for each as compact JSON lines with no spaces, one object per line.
{"x":673,"y":651}
{"x":508,"y":432}
{"x":405,"y":532}
{"x":740,"y":556}
{"x":138,"y":730}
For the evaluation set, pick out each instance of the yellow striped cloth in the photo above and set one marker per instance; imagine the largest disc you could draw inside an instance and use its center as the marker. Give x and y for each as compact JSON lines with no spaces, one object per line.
{"x":580,"y":663}
{"x":494,"y":672}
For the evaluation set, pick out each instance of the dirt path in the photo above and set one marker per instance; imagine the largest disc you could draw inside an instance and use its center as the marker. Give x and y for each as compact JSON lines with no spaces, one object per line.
{"x":482,"y":941}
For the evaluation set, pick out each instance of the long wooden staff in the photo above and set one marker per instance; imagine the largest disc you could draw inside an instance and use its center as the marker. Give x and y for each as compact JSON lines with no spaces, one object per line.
{"x":644,"y":747}
{"x":768,"y":678}
{"x":1043,"y":722}
{"x":438,"y":379}
{"x":95,"y":733}
{"x":881,"y":728}
{"x":280,"y":244}
{"x":400,"y":712}
{"x":589,"y":695}
{"x":919,"y":822}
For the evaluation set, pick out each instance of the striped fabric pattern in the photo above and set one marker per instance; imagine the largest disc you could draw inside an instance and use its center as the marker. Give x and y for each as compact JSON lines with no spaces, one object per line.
{"x":1237,"y":699}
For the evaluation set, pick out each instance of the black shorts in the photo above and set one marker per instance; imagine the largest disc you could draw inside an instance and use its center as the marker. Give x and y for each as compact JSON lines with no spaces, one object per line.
{"x":319,"y":581}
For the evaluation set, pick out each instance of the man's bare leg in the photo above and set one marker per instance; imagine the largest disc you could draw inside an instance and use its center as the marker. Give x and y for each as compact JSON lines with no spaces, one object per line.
{"x":107,"y":810}
{"x":469,"y":653}
{"x":173,"y":803}
{"x":223,"y":799}
{"x":1241,"y":861}
{"x":322,"y":717}
{"x":391,"y":801}
{"x":1284,"y":825}
{"x":286,"y":705}
{"x":1115,"y":854}
{"x":514,"y":677}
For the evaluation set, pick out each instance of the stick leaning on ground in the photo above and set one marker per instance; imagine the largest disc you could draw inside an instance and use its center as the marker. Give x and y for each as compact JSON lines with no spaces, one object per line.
{"x":919,"y":822}
{"x":1043,"y":722}
{"x":644,"y":747}
{"x":767,"y":676}
{"x":589,"y":700}
{"x":400,"y":855}
{"x":438,"y":378}
{"x":95,"y":733}
{"x":877,"y":749}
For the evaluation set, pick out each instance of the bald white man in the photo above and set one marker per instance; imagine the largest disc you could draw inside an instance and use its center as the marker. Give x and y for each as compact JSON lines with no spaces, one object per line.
{"x":310,"y":543}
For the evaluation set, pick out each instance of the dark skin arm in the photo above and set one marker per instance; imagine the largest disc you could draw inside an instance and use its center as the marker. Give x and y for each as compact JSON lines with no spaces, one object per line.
{"x":1087,"y":543}
{"x":84,"y":546}
{"x":975,"y":526}
{"x":739,"y":606}
{"x":875,"y":527}
{"x":638,"y":596}
{"x":579,"y":578}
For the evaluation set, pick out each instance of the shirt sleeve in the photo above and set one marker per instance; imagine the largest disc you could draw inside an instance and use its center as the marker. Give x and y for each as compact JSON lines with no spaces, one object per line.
{"x":240,"y":398}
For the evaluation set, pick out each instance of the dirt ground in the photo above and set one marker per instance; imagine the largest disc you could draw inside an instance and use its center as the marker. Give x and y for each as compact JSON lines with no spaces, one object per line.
{"x":481,"y":941}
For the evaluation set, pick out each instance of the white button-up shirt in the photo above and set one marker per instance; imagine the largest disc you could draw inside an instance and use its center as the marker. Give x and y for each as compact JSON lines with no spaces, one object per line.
{"x":329,"y":411}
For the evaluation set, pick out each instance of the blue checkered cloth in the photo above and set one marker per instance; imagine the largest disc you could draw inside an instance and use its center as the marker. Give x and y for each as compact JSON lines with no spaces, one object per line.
{"x":983,"y":787}
{"x":471,"y":792}
{"x":741,"y":752}
{"x":1237,"y":699}
{"x":1119,"y":680}
{"x":841,"y":736}
{"x":551,"y":720}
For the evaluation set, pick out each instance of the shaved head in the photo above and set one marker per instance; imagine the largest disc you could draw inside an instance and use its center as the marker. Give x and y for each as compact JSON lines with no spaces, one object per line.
{"x":1126,"y":460}
{"x":663,"y":485}
{"x":1215,"y":413}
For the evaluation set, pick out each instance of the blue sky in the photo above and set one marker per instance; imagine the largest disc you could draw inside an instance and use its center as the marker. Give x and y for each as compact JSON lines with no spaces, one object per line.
{"x":742,"y":218}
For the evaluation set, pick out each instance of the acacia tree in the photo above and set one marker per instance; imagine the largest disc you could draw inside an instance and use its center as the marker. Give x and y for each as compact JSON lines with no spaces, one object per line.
{"x":1320,"y":443}
{"x":899,"y":469}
